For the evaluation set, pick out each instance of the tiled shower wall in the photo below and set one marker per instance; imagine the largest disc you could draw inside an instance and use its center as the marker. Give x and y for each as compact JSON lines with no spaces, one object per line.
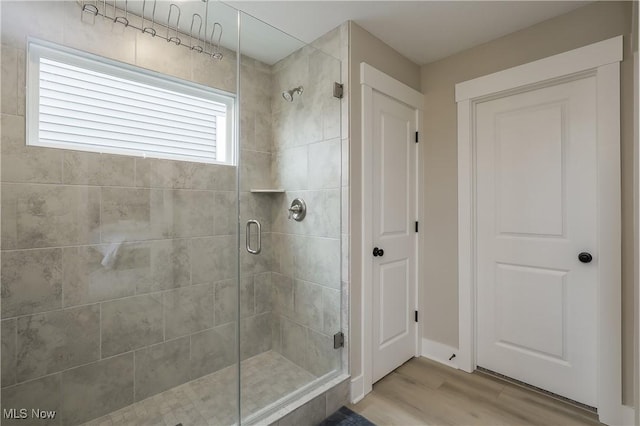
{"x":307,"y":164}
{"x":85,"y":336}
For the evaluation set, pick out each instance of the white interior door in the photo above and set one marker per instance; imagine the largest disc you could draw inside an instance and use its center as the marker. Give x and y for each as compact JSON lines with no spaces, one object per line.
{"x":394,"y":237}
{"x":536,"y":212}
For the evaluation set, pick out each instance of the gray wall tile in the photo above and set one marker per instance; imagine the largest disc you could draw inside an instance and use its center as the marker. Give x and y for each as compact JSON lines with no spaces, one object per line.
{"x":188,"y":310}
{"x":88,"y":168}
{"x":143,"y":172}
{"x":330,"y":311}
{"x":294,"y":341}
{"x":49,"y":215}
{"x":255,"y":170}
{"x":338,"y":396}
{"x":8,"y":352}
{"x":256,"y":206}
{"x":307,"y":304}
{"x":255,"y":335}
{"x":321,"y":357}
{"x":287,"y":248}
{"x":161,"y":367}
{"x":290,"y":168}
{"x":42,"y":393}
{"x":276,"y":332}
{"x":22,"y":81}
{"x":9,"y":80}
{"x":104,"y":272}
{"x":213,"y":259}
{"x":166,"y":58}
{"x":22,"y":163}
{"x":31,"y":281}
{"x":282,"y":293}
{"x":225,"y":301}
{"x":319,"y":261}
{"x":263,"y":131}
{"x":247,"y":296}
{"x":192,"y":213}
{"x":170,"y":266}
{"x":88,"y":34}
{"x":225,"y":214}
{"x":263,"y":292}
{"x":219,"y":74}
{"x":311,"y":413}
{"x":212,"y":350}
{"x":223,"y":178}
{"x":131,"y":323}
{"x":45,"y":23}
{"x":323,"y":213}
{"x":324,"y":164}
{"x":126,"y":215}
{"x":54,"y":341}
{"x":96,"y":389}
{"x":255,"y":264}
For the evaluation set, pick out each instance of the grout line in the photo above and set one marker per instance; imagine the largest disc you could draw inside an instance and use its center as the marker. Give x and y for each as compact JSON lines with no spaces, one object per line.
{"x":127,"y":242}
{"x":134,"y":376}
{"x":100,"y":332}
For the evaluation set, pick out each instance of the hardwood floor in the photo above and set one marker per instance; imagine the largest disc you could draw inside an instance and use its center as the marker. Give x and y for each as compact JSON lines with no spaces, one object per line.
{"x":423,"y":392}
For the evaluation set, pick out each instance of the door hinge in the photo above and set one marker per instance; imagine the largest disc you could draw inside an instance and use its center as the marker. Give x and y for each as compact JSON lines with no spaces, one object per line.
{"x":416,"y":226}
{"x":338,"y":340}
{"x":416,"y":315}
{"x":417,"y":138}
{"x":338,"y":90}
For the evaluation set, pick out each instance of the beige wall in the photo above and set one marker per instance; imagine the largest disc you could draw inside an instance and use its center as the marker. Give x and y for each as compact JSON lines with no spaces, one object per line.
{"x":578,"y":28}
{"x":364,"y":47}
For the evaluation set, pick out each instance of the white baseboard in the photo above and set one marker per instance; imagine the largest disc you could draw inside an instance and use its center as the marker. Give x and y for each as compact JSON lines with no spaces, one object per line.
{"x":628,"y":415}
{"x":439,"y":352}
{"x":357,"y":389}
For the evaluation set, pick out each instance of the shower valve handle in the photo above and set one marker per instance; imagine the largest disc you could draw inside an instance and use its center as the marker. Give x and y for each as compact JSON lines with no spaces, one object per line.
{"x":294,"y":209}
{"x":298,"y":209}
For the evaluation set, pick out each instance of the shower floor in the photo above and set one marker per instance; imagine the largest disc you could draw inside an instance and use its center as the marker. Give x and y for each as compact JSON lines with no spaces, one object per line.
{"x":211,"y":400}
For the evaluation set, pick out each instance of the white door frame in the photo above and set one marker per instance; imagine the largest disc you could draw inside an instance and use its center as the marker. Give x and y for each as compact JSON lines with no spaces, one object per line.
{"x":371,"y":79}
{"x":602,"y":61}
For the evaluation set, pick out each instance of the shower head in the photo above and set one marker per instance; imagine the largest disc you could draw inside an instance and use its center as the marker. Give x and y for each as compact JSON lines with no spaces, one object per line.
{"x":288,"y":94}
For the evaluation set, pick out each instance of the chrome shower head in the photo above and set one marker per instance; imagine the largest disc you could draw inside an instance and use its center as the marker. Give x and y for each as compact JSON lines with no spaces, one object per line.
{"x":288,"y":94}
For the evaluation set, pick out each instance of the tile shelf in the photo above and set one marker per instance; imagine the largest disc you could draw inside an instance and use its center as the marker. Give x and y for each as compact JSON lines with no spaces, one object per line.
{"x":267,"y":191}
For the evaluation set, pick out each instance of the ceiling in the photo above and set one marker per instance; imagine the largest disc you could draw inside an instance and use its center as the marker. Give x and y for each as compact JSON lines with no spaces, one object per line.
{"x":423,"y":31}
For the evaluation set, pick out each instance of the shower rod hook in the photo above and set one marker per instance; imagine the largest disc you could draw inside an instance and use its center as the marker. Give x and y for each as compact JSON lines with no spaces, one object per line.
{"x":196,"y":47}
{"x":215,"y":51}
{"x":174,"y":38}
{"x":124,"y":20}
{"x":90,"y":8}
{"x":149,"y":30}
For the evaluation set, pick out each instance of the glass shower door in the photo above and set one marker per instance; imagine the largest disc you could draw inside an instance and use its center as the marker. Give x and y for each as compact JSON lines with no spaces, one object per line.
{"x":119,"y":272}
{"x":290,"y":216}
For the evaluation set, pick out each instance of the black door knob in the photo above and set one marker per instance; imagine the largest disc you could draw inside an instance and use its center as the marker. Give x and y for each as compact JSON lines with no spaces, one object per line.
{"x":585,"y":257}
{"x":378,"y":252}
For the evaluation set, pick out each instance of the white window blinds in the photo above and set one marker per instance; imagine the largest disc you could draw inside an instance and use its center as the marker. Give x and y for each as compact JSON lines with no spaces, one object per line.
{"x":99,"y":105}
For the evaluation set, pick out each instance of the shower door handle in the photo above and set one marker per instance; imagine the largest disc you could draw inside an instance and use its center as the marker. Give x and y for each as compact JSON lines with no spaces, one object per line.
{"x":258,"y":249}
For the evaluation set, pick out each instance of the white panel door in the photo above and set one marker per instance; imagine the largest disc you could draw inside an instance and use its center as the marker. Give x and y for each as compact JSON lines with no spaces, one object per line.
{"x":536,"y":212}
{"x":394,"y":215}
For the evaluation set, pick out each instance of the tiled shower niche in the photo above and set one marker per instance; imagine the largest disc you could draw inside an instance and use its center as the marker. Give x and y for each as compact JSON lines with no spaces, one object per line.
{"x":119,"y":274}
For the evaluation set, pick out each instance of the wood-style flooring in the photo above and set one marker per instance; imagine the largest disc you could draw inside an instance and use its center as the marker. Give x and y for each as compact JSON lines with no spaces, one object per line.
{"x":423,"y":392}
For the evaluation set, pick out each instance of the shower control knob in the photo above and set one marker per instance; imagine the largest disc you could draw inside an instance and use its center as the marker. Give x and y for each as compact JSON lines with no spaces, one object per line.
{"x":378,"y":252}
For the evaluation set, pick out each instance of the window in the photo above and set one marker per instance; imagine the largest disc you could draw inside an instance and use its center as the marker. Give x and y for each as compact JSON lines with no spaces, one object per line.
{"x":88,"y":103}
